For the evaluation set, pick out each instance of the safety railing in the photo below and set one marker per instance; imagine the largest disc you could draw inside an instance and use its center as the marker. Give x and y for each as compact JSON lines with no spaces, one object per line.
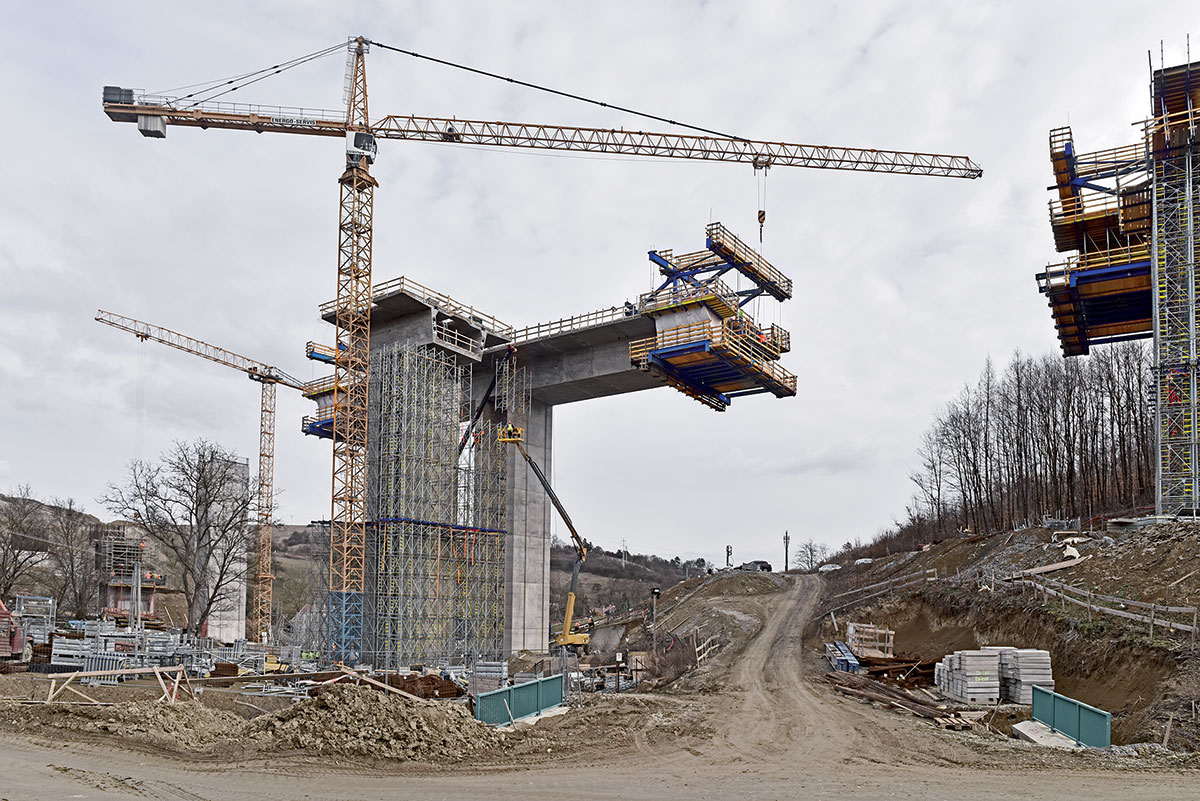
{"x":639,"y":349}
{"x":781,"y":337}
{"x":739,"y":347}
{"x":749,"y":261}
{"x":317,"y":419}
{"x":1099,"y":162}
{"x":1114,"y":257}
{"x":713,"y":293}
{"x":457,"y":340}
{"x":319,"y":386}
{"x":434,"y":298}
{"x":510,"y":704}
{"x":772,"y":342}
{"x":1084,"y":724}
{"x":577,"y":323}
{"x":297,"y":114}
{"x":722,"y":337}
{"x":319,"y":352}
{"x":1059,"y":275}
{"x":1077,"y":209}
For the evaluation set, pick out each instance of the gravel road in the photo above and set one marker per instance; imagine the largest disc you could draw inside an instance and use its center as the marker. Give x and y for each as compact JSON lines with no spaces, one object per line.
{"x":775,"y":734}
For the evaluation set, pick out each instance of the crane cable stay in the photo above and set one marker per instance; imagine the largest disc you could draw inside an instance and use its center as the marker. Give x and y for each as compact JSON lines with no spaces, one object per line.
{"x":352,"y":308}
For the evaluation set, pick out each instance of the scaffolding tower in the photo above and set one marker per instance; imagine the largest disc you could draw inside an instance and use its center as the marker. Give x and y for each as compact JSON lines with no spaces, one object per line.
{"x":1130,"y":213}
{"x":1171,"y":142}
{"x":435,"y":561}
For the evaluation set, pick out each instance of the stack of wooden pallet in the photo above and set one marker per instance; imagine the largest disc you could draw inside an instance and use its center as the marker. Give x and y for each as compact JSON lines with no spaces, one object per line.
{"x":1020,"y":670}
{"x":971,"y":676}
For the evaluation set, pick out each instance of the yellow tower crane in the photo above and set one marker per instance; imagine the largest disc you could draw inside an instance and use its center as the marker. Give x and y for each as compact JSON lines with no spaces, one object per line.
{"x":259,"y":624}
{"x":154,"y":113}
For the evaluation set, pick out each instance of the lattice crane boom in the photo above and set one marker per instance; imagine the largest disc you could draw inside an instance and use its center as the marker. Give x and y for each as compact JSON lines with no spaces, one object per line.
{"x":259,"y":371}
{"x":268,"y":377}
{"x":314,"y":122}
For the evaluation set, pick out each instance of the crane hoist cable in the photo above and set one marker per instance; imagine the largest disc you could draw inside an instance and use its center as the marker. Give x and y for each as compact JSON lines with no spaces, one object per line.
{"x":761,"y":182}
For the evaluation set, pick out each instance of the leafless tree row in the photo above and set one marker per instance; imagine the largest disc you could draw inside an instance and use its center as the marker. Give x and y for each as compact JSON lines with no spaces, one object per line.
{"x":49,"y":541}
{"x":1047,"y":436}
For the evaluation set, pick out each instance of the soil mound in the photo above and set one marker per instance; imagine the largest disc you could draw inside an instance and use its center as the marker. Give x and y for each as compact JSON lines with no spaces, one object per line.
{"x":179,"y":727}
{"x":360,"y":721}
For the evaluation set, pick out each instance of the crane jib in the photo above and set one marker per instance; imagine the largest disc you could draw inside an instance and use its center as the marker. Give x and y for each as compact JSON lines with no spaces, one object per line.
{"x":151,"y":113}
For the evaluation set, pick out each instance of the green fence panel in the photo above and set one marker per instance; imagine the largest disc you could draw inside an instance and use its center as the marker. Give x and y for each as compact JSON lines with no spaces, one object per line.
{"x":490,"y":707}
{"x":510,"y":704}
{"x":1084,"y":724}
{"x":525,"y":699}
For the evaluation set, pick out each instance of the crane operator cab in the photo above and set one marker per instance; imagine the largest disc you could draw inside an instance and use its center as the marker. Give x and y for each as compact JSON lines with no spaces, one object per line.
{"x":359,"y":144}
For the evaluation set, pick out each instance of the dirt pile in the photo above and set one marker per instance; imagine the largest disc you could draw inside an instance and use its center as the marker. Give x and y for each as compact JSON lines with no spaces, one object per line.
{"x":178,"y":727}
{"x":1156,"y":564}
{"x":361,"y":721}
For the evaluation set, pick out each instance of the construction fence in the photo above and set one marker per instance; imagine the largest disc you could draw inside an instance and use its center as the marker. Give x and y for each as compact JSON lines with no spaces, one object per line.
{"x":510,"y":704}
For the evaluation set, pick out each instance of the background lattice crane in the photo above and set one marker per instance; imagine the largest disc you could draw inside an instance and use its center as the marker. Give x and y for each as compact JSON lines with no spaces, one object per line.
{"x":153,"y":114}
{"x":259,"y":623}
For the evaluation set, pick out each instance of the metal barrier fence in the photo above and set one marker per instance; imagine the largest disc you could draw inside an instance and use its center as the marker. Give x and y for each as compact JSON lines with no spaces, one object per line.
{"x":1084,"y":724}
{"x":510,"y":704}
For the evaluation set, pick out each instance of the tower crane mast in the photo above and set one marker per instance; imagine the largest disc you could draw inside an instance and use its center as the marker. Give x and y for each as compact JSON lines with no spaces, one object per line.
{"x":153,"y":114}
{"x":267,"y":376}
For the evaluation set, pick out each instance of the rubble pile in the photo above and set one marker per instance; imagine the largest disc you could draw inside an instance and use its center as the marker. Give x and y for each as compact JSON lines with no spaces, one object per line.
{"x":362,"y":721}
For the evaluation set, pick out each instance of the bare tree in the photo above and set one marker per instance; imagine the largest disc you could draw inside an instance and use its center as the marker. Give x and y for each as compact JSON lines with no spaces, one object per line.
{"x":22,"y":537}
{"x":809,"y":555}
{"x":75,"y":576}
{"x":1043,"y":437}
{"x":195,"y":504}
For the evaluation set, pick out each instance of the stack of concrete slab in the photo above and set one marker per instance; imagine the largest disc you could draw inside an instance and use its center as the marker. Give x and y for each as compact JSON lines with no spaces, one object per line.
{"x":971,"y":676}
{"x":1021,"y":669}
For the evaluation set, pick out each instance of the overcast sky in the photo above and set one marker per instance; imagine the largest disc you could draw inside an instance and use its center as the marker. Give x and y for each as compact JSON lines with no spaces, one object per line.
{"x":904,"y":285}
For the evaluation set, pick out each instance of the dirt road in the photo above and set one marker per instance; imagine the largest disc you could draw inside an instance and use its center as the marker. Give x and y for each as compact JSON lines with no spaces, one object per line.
{"x":775,"y":735}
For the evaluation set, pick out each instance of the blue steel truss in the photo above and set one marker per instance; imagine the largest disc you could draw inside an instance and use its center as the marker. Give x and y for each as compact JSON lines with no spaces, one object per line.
{"x":723,"y":253}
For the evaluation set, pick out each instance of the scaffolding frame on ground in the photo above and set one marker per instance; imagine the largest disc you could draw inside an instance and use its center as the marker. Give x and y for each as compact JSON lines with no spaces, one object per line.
{"x":436,"y":551}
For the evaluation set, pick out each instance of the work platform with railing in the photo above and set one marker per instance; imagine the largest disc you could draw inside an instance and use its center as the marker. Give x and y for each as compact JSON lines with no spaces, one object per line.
{"x":1102,"y":293}
{"x":705,"y":344}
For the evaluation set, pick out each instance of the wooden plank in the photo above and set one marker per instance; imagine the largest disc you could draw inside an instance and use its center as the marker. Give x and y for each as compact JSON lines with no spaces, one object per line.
{"x":352,"y":674}
{"x":266,"y":677}
{"x":1037,"y":571}
{"x":81,"y":674}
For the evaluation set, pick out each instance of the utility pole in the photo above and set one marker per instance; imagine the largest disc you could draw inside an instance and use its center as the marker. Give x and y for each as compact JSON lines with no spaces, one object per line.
{"x":786,"y":540}
{"x":654,"y":593}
